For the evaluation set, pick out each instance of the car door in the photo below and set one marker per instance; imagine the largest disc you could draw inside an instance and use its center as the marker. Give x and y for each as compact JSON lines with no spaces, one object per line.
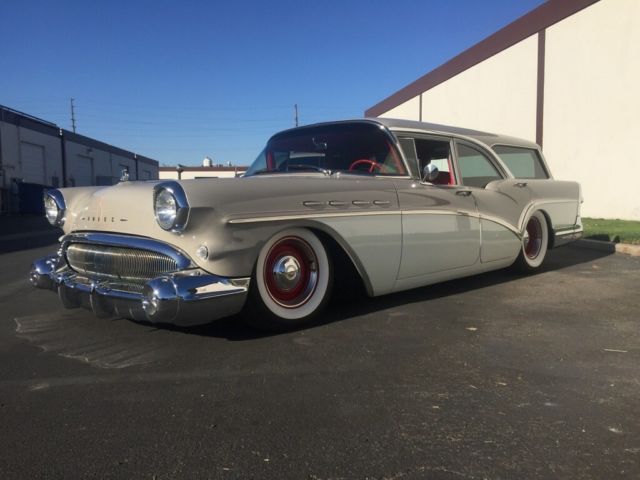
{"x":440,"y":225}
{"x":500,"y":200}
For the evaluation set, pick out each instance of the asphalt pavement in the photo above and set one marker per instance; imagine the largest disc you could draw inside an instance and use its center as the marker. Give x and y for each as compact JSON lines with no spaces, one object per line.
{"x":18,"y":232}
{"x":496,"y":376}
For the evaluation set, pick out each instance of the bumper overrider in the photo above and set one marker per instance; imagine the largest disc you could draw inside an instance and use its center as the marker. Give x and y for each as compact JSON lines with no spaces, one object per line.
{"x":185,"y":296}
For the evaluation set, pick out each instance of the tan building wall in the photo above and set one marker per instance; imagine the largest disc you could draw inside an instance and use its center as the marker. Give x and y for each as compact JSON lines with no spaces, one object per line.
{"x":409,"y":110}
{"x":592,"y":105}
{"x":565,"y":75}
{"x":498,"y":94}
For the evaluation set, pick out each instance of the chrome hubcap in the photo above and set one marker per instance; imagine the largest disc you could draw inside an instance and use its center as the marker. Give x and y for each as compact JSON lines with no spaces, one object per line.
{"x":291,"y":272}
{"x":286,"y":272}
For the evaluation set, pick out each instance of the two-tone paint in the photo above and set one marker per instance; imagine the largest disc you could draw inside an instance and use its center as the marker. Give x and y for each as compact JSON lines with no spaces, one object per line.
{"x":399,"y":232}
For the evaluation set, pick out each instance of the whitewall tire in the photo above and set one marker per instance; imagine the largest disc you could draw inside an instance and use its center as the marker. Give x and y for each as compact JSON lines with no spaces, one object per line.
{"x":292,"y":280}
{"x":535,"y":241}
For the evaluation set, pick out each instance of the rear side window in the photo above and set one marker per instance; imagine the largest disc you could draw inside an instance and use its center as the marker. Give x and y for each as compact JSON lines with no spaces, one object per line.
{"x":522,"y":162}
{"x":475,"y":167}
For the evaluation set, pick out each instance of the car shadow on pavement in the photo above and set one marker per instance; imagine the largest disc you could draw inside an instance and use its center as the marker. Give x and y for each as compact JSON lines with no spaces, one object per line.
{"x":347,"y":306}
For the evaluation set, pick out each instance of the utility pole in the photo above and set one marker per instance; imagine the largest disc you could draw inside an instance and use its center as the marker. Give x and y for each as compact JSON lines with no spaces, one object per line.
{"x":73,"y":117}
{"x":295,"y":108}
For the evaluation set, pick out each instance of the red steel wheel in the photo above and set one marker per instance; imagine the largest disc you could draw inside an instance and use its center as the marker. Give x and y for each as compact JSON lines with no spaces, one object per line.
{"x":292,"y":280}
{"x":533,"y":238}
{"x":291,"y":272}
{"x":535,"y":241}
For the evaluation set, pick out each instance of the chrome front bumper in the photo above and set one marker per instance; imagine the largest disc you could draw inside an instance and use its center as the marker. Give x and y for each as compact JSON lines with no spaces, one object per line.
{"x":187,"y":297}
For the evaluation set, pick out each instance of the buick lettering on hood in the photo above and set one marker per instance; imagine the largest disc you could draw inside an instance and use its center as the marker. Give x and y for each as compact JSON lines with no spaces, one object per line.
{"x":398,"y":204}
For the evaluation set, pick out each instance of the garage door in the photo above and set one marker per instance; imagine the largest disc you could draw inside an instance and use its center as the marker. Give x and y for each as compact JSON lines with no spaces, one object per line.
{"x":32,"y":163}
{"x":83,"y":171}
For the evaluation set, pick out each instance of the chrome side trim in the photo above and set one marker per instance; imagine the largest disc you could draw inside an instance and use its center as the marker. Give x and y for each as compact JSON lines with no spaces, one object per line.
{"x":308,"y":216}
{"x":440,"y":212}
{"x":562,"y":237}
{"x":465,"y":213}
{"x":468,"y":213}
{"x":503,"y":223}
{"x":143,"y":243}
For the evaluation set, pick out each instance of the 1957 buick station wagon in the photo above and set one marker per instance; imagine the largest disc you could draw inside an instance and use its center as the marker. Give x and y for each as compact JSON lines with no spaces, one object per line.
{"x":402,"y":204}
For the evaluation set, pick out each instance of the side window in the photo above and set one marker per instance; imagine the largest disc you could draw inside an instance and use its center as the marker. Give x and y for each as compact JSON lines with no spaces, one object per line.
{"x":522,"y":162}
{"x":475,"y":168}
{"x":409,"y":149}
{"x":438,"y":153}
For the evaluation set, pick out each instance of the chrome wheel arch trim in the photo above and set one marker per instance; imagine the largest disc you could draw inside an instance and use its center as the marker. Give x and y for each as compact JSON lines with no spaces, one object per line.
{"x":320,"y":229}
{"x":535,"y":205}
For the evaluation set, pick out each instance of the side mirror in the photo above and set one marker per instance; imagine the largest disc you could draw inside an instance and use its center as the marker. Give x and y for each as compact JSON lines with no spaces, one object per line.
{"x":429,"y":172}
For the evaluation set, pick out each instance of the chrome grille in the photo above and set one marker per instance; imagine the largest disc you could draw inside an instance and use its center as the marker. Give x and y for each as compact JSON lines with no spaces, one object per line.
{"x":127,"y":265}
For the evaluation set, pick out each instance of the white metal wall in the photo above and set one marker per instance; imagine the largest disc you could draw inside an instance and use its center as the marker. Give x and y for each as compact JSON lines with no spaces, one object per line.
{"x":592,"y":105}
{"x":591,"y":102}
{"x":497,"y":95}
{"x":30,"y":156}
{"x":409,"y":110}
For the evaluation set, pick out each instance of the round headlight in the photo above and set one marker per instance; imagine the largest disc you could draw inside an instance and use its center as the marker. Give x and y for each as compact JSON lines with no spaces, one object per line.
{"x":170,"y":206}
{"x":166,"y":209}
{"x":51,"y":210}
{"x":54,"y":207}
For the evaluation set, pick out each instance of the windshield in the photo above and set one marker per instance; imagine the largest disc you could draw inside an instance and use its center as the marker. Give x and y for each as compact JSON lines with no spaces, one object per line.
{"x":353,"y":148}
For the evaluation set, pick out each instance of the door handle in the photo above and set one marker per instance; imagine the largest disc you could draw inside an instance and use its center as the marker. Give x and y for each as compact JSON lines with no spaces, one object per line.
{"x":463,"y":193}
{"x":520,"y":184}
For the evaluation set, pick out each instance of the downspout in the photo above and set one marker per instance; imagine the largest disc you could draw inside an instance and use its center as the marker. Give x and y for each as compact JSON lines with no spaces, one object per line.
{"x":135,"y":157}
{"x":63,"y":152}
{"x":2,"y":182}
{"x":1,"y":167}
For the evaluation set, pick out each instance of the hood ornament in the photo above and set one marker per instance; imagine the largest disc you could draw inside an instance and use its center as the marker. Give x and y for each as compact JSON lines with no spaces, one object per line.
{"x":124,"y":174}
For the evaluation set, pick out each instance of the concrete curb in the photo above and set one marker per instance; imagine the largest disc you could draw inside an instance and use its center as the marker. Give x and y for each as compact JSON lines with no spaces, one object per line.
{"x":610,"y":247}
{"x":628,"y":249}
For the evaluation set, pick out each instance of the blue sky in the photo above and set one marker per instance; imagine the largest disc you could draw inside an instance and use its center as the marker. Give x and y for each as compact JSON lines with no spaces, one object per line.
{"x":181,"y":80}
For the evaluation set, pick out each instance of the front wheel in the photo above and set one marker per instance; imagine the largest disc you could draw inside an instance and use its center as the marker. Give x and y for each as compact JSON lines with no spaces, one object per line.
{"x":291,"y":282}
{"x":535,"y":241}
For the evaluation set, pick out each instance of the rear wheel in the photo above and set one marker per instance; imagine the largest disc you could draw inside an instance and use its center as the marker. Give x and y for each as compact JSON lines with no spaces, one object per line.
{"x":291,"y":282}
{"x":535,"y":241}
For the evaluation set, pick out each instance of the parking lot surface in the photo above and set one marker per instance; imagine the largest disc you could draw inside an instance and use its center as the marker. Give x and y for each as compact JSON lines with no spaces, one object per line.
{"x":497,"y":376}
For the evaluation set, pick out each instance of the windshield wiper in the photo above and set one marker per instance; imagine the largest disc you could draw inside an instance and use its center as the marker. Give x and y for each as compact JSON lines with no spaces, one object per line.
{"x":262,"y":171}
{"x":296,"y":166}
{"x":300,"y":166}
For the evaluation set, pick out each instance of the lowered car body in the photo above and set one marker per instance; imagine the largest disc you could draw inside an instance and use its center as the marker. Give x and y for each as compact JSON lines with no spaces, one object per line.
{"x":407,"y":203}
